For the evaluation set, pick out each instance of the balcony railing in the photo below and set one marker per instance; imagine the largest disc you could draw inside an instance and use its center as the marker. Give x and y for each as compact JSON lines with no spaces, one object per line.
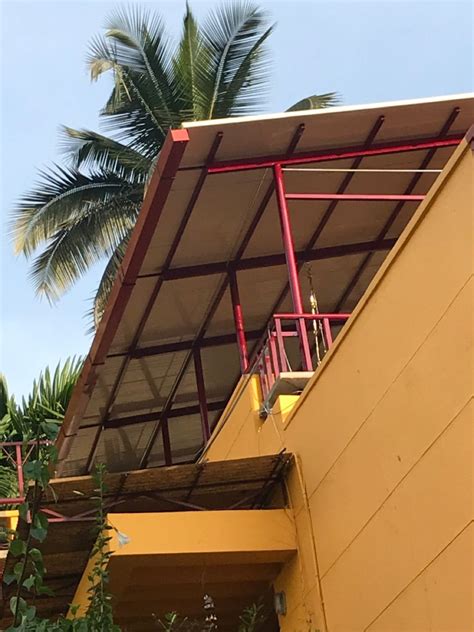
{"x":294,"y":343}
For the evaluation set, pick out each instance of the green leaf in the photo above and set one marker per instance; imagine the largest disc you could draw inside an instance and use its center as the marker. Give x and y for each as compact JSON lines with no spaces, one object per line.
{"x":36,"y":555}
{"x":29,"y":582}
{"x":9,"y":578}
{"x":39,"y":530}
{"x":22,"y":605}
{"x":316,"y":102}
{"x":17,"y":547}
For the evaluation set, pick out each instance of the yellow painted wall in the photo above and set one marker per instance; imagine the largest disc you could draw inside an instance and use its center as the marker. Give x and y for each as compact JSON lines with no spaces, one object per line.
{"x":382,"y":492}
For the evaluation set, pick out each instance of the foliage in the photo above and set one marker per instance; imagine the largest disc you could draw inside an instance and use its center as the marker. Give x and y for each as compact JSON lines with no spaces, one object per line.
{"x":28,"y":572}
{"x":85,"y":211}
{"x":252,"y":618}
{"x":44,"y":408}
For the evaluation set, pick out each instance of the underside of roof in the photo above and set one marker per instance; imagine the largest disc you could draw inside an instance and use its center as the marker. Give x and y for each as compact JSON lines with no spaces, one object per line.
{"x":210,"y":212}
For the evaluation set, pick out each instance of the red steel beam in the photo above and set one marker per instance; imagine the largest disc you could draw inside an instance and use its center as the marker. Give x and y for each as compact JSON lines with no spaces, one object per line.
{"x":414,"y":181}
{"x":238,"y":321}
{"x":327,"y":214}
{"x":355,"y":197}
{"x":285,"y":224}
{"x":345,"y":183}
{"x":220,"y":293}
{"x":288,"y":243}
{"x":151,"y":301}
{"x":327,"y":155}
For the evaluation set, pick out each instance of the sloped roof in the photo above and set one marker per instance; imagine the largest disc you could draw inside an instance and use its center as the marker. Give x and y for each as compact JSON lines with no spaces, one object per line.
{"x":209,"y":209}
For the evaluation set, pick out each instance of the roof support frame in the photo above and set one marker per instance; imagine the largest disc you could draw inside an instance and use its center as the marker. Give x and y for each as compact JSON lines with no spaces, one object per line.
{"x":176,"y":413}
{"x":326,"y":217}
{"x":265,"y":162}
{"x":174,"y":246}
{"x":238,"y":321}
{"x":265,"y":261}
{"x":220,"y":293}
{"x":414,"y":181}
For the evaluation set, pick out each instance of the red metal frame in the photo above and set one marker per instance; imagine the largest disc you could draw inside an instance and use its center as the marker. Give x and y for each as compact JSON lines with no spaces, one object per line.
{"x":219,"y":295}
{"x":289,"y":249}
{"x":266,"y":162}
{"x":272,"y":359}
{"x":414,"y":181}
{"x":238,"y":321}
{"x":355,"y":197}
{"x":211,"y":166}
{"x":18,"y":454}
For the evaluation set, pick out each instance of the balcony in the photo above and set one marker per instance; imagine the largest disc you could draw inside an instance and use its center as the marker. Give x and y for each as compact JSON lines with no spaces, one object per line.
{"x":294,"y":347}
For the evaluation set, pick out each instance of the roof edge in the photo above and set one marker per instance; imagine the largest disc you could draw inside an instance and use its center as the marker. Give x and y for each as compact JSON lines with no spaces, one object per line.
{"x":155,"y":198}
{"x":463,"y":96}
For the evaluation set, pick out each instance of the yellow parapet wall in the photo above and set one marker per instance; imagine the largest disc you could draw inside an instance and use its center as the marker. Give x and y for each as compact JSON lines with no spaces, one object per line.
{"x":382,"y":436}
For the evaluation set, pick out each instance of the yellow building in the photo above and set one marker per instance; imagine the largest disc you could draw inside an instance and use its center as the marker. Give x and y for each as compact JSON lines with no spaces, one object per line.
{"x":281,"y":386}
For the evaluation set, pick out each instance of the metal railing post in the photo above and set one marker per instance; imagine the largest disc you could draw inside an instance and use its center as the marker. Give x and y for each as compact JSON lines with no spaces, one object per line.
{"x":19,"y":469}
{"x":291,"y":263}
{"x":238,"y":321}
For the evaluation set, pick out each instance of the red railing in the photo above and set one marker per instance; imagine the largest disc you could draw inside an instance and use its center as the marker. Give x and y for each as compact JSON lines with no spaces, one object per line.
{"x":16,"y":454}
{"x":276,"y":357}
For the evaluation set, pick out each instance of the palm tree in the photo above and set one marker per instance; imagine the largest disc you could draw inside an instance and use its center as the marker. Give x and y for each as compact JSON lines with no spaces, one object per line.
{"x":85,"y":211}
{"x":38,"y":416}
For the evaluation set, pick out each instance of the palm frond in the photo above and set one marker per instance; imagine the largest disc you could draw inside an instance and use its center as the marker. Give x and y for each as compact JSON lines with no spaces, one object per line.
{"x":136,"y":49}
{"x":46,"y":404}
{"x":232,"y":32}
{"x":86,"y":148}
{"x":106,"y":283}
{"x":190,"y":70}
{"x":316,"y":102}
{"x":4,"y":398}
{"x":82,"y":242}
{"x":57,"y":199}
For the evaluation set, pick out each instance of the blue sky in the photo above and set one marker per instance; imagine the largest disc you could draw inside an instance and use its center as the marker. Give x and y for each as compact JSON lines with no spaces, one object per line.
{"x":368,"y":51}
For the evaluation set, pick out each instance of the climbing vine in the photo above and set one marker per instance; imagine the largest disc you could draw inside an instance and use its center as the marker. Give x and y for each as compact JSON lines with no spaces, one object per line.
{"x":28,"y":572}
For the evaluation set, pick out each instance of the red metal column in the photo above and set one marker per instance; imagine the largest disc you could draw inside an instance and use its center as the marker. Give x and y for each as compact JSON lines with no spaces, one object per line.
{"x":201,"y":389}
{"x":291,"y":262}
{"x":238,"y":321}
{"x":19,"y":467}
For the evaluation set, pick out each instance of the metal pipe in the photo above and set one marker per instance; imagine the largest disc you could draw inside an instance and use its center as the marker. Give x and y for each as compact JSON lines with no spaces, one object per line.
{"x":327,"y":332}
{"x":287,"y":237}
{"x":165,"y":433}
{"x":201,"y":389}
{"x":355,"y":197}
{"x":19,"y":469}
{"x":338,"y":153}
{"x":326,"y":170}
{"x":290,"y":316}
{"x":411,"y":186}
{"x":238,"y":321}
{"x":291,"y":261}
{"x":219,"y":295}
